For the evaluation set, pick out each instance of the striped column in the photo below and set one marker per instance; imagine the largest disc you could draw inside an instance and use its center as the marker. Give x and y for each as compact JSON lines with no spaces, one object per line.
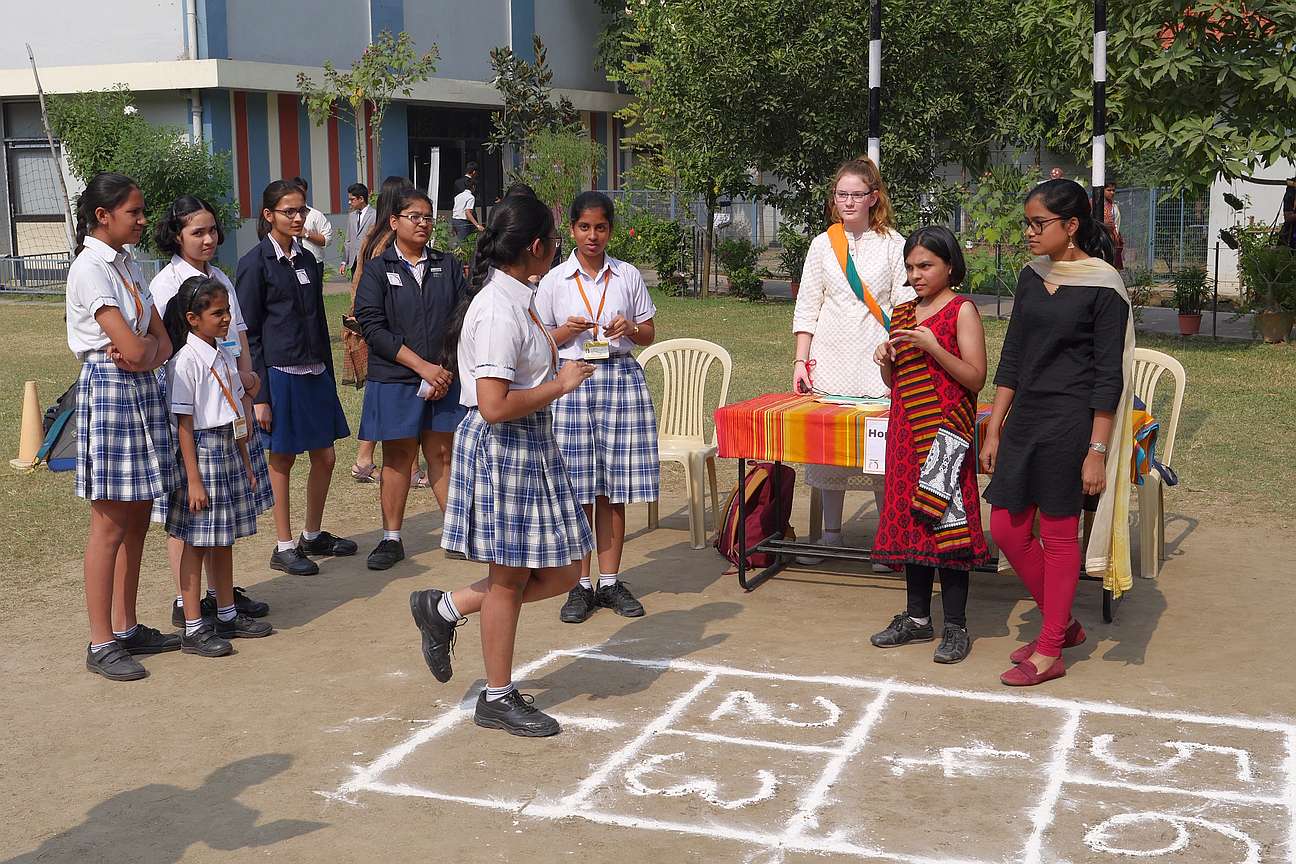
{"x":875,"y":84}
{"x":1099,"y":106}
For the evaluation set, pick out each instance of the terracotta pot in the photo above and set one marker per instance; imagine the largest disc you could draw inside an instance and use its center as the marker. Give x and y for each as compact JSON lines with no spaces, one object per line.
{"x":1190,"y":324}
{"x":796,"y":287}
{"x":1275,"y":326}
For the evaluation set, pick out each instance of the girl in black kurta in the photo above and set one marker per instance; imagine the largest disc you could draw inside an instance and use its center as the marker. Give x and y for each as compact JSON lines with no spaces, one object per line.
{"x":1061,"y":372}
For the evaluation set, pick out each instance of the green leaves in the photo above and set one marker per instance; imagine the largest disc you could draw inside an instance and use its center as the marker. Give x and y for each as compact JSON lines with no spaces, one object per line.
{"x":529,"y":108}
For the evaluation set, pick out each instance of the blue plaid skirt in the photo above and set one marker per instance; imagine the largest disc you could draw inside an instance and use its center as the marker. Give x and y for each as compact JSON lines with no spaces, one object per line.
{"x":231,"y":504}
{"x":125,"y":451}
{"x":607,"y":434}
{"x":263,"y":494}
{"x":510,"y":501}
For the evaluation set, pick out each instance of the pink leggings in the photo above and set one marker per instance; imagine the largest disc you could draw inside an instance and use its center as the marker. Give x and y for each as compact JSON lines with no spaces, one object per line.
{"x":1049,"y":565}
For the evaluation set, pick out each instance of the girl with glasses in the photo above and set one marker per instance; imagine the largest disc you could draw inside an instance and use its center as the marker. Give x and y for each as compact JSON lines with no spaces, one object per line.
{"x":1065,"y":374}
{"x":404,"y":303}
{"x":282,"y":298}
{"x":854,"y":276}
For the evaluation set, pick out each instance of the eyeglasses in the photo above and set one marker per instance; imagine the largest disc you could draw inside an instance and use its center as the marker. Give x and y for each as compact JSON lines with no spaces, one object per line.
{"x":857,"y":197}
{"x":291,"y":212}
{"x":417,"y":218}
{"x":1037,"y":226}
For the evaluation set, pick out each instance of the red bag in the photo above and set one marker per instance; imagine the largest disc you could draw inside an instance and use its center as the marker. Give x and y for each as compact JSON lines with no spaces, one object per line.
{"x":764,"y":515}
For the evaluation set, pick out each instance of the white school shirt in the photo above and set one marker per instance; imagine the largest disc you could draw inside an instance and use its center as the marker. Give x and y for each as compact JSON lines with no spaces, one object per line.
{"x":167,"y":283}
{"x":317,"y":222}
{"x":291,"y":257}
{"x":97,"y":279}
{"x":192,"y":390}
{"x":559,"y":298}
{"x":463,"y":202}
{"x":500,"y":340}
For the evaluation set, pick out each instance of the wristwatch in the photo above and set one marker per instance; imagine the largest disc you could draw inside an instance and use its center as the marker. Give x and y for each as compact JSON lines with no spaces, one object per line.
{"x":635,"y":332}
{"x":1098,"y":447}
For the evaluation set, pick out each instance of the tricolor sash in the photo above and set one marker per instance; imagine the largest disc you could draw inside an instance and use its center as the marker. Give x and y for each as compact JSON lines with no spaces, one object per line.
{"x":837,"y":237}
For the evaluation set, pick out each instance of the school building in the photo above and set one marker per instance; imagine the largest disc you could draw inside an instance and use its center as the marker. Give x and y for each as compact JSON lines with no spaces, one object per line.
{"x":226,"y":71}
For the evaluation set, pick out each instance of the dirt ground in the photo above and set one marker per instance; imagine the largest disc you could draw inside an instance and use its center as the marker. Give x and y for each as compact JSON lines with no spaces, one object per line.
{"x":721,"y":727}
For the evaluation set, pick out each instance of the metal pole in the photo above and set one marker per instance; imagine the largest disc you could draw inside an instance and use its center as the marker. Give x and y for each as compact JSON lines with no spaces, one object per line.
{"x":68,"y":224}
{"x":998,"y":283}
{"x":1099,"y":107}
{"x":1215,"y":308}
{"x":875,"y":83}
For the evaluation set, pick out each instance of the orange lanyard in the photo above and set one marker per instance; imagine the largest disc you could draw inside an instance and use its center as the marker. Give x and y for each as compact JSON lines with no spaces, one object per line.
{"x":135,"y":295}
{"x":607,"y":277}
{"x":553,"y":346}
{"x":229,"y":397}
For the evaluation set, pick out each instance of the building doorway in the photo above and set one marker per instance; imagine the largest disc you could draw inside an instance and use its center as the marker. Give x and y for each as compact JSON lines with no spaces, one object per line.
{"x":461,"y":133}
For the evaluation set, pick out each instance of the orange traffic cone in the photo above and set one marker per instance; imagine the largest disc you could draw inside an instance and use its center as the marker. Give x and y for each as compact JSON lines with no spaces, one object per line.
{"x":30,"y":430}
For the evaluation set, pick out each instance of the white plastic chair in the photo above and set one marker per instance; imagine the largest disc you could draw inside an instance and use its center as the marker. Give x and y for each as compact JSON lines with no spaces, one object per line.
{"x":1149,"y":366}
{"x":680,"y":417}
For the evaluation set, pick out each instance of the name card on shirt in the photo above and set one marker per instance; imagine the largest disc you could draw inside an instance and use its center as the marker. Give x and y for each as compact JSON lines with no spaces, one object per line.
{"x":233,"y":346}
{"x":303,"y":277}
{"x":435,"y":271}
{"x":394,"y":279}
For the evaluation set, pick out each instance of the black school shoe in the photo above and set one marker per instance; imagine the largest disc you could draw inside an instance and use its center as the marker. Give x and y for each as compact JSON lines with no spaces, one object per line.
{"x":114,"y":663}
{"x":901,"y":631}
{"x":516,"y":715}
{"x":146,"y":640}
{"x":242,"y":627}
{"x":579,"y":607}
{"x":386,"y":554}
{"x":327,"y":544}
{"x":242,"y":602}
{"x":955,"y":645}
{"x":438,"y":634}
{"x":618,"y":598}
{"x":294,"y":562}
{"x":205,"y":643}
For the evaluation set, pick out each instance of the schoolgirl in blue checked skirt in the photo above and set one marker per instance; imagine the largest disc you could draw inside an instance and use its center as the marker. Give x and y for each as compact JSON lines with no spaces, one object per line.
{"x":124,"y":447}
{"x":511,"y":503}
{"x":599,"y":310}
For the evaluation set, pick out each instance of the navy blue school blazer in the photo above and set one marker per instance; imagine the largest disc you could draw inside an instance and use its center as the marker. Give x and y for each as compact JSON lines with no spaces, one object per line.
{"x":285,"y":317}
{"x":391,"y":315}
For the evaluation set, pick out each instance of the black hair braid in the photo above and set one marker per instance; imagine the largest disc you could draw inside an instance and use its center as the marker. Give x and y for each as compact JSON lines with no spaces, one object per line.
{"x":106,"y":190}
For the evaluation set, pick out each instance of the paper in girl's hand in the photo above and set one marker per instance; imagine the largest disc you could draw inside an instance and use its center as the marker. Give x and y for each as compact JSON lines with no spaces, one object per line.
{"x":425,"y":390}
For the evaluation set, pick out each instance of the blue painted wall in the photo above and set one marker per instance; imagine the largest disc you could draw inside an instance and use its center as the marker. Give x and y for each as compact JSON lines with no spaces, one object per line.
{"x":395,"y":143}
{"x":386,"y":15}
{"x":522,"y":22}
{"x":213,"y":30}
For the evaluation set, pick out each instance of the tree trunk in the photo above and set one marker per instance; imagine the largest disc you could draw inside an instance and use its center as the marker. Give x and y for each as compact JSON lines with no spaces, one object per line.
{"x":708,"y":244}
{"x":360,"y":150}
{"x":377,"y":142}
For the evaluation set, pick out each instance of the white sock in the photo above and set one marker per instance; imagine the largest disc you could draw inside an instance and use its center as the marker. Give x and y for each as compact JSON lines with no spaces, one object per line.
{"x":921,"y":622}
{"x":284,"y":545}
{"x":97,"y":647}
{"x":126,"y":635}
{"x":192,"y":627}
{"x":310,"y":535}
{"x":447,"y":609}
{"x":211,"y":592}
{"x":391,"y":535}
{"x":586,"y":583}
{"x":606,"y":580}
{"x":493,"y":693}
{"x":227,"y":613}
{"x":180,"y":599}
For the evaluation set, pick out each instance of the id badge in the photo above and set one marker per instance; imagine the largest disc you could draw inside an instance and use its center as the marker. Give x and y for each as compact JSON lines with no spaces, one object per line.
{"x":303,"y":277}
{"x":233,"y":346}
{"x":240,"y":428}
{"x":596,"y":349}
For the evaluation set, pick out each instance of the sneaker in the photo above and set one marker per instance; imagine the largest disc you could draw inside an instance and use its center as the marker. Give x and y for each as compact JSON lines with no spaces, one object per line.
{"x":813,"y":560}
{"x":146,"y":640}
{"x":294,"y":562}
{"x":516,"y":715}
{"x":327,"y":544}
{"x":205,"y":643}
{"x":386,"y":554}
{"x":1075,"y":635}
{"x":243,"y":603}
{"x":177,"y":614}
{"x":114,"y":663}
{"x":452,"y":555}
{"x":438,"y":633}
{"x":901,"y":631}
{"x":579,"y":607}
{"x":955,"y":645}
{"x":618,"y":598}
{"x":242,"y":627}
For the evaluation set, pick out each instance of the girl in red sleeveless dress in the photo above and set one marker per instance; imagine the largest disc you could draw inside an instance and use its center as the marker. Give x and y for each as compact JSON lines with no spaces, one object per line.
{"x":935,"y":364}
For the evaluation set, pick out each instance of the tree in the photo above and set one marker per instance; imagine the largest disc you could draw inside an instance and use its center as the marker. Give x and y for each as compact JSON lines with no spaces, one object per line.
{"x":559,"y":165}
{"x":389,"y":66}
{"x":1201,"y":89}
{"x":529,"y":108}
{"x":102,"y":131}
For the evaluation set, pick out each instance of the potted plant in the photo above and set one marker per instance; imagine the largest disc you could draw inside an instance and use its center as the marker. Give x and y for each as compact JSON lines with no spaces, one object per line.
{"x":1190,"y":290}
{"x":1269,"y":284}
{"x":792,"y":255}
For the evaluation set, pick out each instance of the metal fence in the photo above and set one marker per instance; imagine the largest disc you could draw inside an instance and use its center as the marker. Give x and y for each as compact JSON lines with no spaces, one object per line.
{"x":1163,"y":236}
{"x":47,"y":273}
{"x":737,"y":217}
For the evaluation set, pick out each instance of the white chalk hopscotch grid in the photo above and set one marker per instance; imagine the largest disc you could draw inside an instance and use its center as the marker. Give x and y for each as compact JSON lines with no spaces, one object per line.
{"x":799,"y":833}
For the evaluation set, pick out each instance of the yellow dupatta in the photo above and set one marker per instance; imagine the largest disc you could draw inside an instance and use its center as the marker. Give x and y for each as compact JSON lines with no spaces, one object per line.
{"x":1107,"y":555}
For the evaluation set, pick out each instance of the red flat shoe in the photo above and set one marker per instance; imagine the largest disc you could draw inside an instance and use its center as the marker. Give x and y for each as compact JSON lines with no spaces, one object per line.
{"x":1024,"y":674}
{"x":1075,"y":635}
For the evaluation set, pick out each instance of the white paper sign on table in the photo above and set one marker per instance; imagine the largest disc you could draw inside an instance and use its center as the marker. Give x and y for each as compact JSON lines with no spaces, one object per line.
{"x":875,"y":431}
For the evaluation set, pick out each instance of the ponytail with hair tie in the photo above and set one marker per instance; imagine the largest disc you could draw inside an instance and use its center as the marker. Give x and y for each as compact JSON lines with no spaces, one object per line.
{"x":1067,"y":198}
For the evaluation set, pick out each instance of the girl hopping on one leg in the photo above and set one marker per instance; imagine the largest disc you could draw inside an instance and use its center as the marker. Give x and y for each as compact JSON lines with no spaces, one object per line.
{"x":125,"y":457}
{"x":511,"y":503}
{"x":406,"y":299}
{"x":935,"y":358}
{"x":599,"y":310}
{"x":215,"y":503}
{"x":191,"y":234}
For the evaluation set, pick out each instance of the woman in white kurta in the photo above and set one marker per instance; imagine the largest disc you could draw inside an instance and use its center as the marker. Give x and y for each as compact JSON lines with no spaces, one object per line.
{"x":836,"y":330}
